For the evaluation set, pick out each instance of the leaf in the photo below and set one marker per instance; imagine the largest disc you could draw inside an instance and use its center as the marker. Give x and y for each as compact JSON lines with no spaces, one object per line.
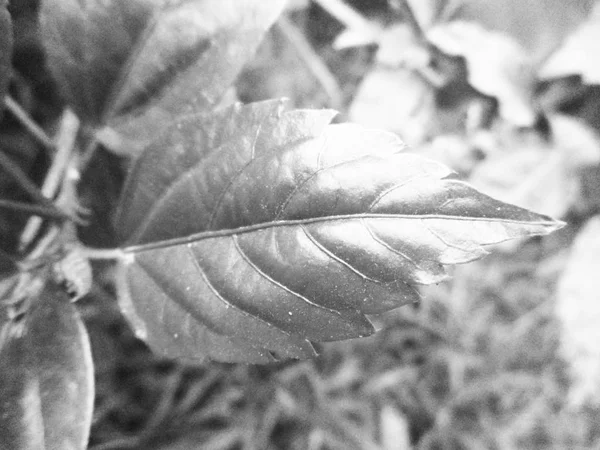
{"x":6,"y":49}
{"x":46,"y":373}
{"x":290,"y":231}
{"x":88,"y":44}
{"x":537,"y":174}
{"x":537,"y":25}
{"x":578,"y":311}
{"x":393,"y":95}
{"x":135,"y":65}
{"x":577,"y":54}
{"x":497,"y":66}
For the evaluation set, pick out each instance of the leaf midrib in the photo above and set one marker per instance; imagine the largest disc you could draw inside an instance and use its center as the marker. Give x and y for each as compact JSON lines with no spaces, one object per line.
{"x":551,"y":224}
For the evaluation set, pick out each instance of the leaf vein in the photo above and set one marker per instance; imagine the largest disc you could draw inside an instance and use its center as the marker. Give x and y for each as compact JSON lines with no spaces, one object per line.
{"x":335,"y":257}
{"x":227,"y":303}
{"x":275,"y":282}
{"x":394,"y":250}
{"x":235,"y":177}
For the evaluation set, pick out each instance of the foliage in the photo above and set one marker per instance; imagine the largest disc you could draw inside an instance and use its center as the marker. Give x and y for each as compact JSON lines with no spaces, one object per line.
{"x":258,"y":232}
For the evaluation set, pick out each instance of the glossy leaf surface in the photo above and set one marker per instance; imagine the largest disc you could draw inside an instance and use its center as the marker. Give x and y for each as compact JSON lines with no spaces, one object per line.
{"x":46,"y":374}
{"x":254,"y":234}
{"x":6,"y":47}
{"x":135,"y":65}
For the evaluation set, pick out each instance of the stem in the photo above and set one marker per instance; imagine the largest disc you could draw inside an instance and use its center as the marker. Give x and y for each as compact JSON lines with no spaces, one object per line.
{"x":65,"y":139}
{"x":313,"y":62}
{"x":34,"y":129}
{"x":346,"y":15}
{"x":404,"y":8}
{"x":65,"y":142}
{"x":103,"y":253}
{"x":23,"y":180}
{"x":88,"y":153}
{"x":37,"y":210}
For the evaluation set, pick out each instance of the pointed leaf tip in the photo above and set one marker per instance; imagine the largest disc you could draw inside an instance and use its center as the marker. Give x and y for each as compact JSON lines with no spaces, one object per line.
{"x":262,"y":230}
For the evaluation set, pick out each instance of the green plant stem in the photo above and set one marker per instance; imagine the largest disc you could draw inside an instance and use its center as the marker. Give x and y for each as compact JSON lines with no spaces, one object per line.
{"x":408,"y":14}
{"x":103,"y":253}
{"x":37,"y":210}
{"x":345,"y":14}
{"x":23,"y":180}
{"x":67,"y":133}
{"x":312,"y":61}
{"x":33,"y":128}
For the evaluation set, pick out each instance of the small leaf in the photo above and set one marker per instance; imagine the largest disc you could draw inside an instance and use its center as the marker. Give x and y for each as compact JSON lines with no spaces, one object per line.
{"x":6,"y":49}
{"x":46,"y":373}
{"x":578,"y":53}
{"x":290,"y":231}
{"x":497,"y":66}
{"x":135,"y":65}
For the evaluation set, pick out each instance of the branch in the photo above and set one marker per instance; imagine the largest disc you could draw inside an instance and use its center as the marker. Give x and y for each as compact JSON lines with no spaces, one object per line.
{"x":36,"y":210}
{"x":23,"y":180}
{"x":312,"y":60}
{"x":33,"y":128}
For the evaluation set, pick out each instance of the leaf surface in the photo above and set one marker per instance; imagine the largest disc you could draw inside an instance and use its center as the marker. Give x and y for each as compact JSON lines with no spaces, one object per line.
{"x":290,"y":233}
{"x":135,"y":65}
{"x":577,"y":54}
{"x":46,"y":374}
{"x":6,"y":48}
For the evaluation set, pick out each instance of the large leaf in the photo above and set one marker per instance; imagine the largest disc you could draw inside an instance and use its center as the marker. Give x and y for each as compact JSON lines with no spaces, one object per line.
{"x":6,"y":46}
{"x":254,"y":234}
{"x":136,"y":64}
{"x":46,"y":372}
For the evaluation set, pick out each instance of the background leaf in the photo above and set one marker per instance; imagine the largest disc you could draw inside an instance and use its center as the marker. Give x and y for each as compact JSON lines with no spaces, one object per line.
{"x":168,"y":57}
{"x":497,"y":66}
{"x":88,"y":44}
{"x":46,"y":374}
{"x":291,"y":234}
{"x":6,"y":49}
{"x":573,"y":56}
{"x":578,"y":312}
{"x":537,"y":173}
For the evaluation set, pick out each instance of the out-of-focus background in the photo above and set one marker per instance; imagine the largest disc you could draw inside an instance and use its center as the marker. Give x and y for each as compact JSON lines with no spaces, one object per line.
{"x":505,"y":355}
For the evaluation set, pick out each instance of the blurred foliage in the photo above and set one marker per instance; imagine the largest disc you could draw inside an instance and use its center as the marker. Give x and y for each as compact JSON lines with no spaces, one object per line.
{"x":479,"y":363}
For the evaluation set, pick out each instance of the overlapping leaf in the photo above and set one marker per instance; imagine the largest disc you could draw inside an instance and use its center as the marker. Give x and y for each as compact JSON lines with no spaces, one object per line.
{"x":134,"y":65}
{"x":251,"y":235}
{"x":46,"y":374}
{"x":578,"y":53}
{"x":497,"y":66}
{"x":6,"y":45}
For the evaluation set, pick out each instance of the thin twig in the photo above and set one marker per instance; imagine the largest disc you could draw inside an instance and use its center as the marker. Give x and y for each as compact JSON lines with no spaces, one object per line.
{"x":36,"y":210}
{"x":313,"y":62}
{"x":34,"y":129}
{"x":103,"y":253}
{"x":23,"y":180}
{"x":65,"y":143}
{"x":346,"y":15}
{"x":408,"y":14}
{"x":65,"y":140}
